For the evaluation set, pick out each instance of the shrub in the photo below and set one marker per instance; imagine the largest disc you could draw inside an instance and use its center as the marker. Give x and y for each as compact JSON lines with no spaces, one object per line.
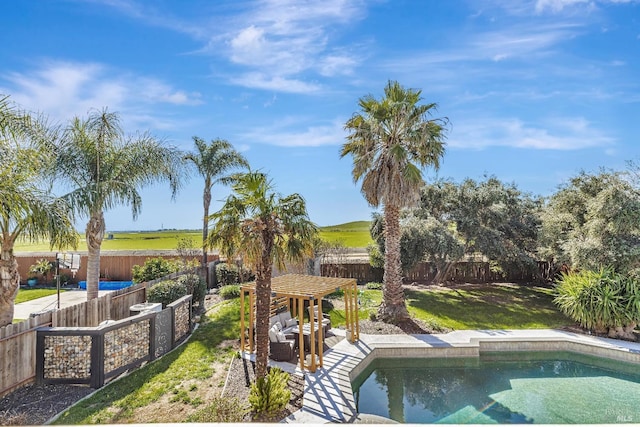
{"x":195,"y":286}
{"x":221,"y":410}
{"x":153,"y":268}
{"x":229,"y":274}
{"x":167,"y":292}
{"x":270,"y":394}
{"x":374,"y":286}
{"x":603,"y":301}
{"x":230,"y":291}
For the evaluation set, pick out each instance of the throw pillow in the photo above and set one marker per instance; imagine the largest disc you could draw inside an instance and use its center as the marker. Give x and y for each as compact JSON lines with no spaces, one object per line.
{"x":291,"y":322}
{"x":281,"y":337}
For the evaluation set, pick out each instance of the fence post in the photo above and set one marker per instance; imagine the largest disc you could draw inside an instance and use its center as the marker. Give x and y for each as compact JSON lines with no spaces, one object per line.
{"x":97,"y":360}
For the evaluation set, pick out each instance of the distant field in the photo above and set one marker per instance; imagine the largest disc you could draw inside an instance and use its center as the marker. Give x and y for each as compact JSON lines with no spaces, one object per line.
{"x":351,"y":234}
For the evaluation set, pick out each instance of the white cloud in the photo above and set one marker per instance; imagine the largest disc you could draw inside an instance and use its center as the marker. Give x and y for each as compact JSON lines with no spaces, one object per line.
{"x":66,"y":89}
{"x":556,"y":6}
{"x":288,"y":133}
{"x":555,"y":134}
{"x":275,"y":83}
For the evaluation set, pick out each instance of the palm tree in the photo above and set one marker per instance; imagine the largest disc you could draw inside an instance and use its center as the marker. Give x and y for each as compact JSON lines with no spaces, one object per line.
{"x":390,"y":140}
{"x":27,"y":208}
{"x":104,"y":169}
{"x":266,"y":229}
{"x":212,"y":162}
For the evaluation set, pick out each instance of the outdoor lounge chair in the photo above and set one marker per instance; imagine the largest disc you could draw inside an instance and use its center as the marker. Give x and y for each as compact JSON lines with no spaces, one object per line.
{"x":280,"y":347}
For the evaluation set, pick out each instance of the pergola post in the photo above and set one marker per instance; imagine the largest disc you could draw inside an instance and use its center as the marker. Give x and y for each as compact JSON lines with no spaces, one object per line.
{"x":300,"y":333}
{"x":242,"y":342}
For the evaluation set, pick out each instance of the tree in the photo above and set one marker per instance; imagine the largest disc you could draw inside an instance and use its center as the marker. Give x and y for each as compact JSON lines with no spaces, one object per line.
{"x":592,"y":222}
{"x":213,"y":161}
{"x":390,"y":140}
{"x":27,"y":208}
{"x":105,"y":169}
{"x":265,"y":228}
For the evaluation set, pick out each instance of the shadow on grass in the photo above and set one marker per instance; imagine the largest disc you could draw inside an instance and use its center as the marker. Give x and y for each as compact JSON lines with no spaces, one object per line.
{"x":488,"y":307}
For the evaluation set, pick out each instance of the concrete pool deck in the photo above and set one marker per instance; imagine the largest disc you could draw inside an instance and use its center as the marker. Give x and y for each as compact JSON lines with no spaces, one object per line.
{"x":68,"y":298}
{"x":328,"y":396}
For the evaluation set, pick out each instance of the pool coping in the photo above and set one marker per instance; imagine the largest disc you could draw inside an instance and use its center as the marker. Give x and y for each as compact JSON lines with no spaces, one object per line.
{"x":328,"y":397}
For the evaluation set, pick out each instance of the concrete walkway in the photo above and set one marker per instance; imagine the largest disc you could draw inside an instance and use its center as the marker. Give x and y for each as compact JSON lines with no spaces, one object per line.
{"x":38,"y":305}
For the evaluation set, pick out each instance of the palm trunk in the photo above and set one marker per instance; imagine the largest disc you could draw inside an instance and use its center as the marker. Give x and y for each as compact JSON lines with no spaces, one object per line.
{"x":206,"y":198}
{"x":263,"y":304}
{"x":9,"y":282}
{"x":393,"y":308}
{"x":94,"y":234}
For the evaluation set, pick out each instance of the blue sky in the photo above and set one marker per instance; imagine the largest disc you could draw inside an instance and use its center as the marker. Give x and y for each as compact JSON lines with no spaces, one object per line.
{"x":535,"y":90}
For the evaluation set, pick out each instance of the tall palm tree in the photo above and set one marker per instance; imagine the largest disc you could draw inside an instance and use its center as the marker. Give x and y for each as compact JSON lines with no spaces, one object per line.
{"x":390,"y":140}
{"x":213,"y":161}
{"x":27,"y":208}
{"x":266,"y":229}
{"x":104,"y":169}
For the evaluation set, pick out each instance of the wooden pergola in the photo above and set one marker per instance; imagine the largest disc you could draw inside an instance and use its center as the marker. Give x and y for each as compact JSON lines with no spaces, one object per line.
{"x":290,"y":292}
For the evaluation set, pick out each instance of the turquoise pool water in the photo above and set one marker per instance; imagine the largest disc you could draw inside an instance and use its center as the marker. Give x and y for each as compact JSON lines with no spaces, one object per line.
{"x":502,"y":388}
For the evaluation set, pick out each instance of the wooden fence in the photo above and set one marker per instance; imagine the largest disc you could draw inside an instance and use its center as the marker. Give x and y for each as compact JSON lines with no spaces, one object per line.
{"x":18,"y":341}
{"x":473,"y":272}
{"x":114,"y":266}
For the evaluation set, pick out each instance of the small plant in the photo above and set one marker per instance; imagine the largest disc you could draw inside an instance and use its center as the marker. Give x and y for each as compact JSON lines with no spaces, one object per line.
{"x":167,"y":292}
{"x":374,"y":286}
{"x":270,"y":394}
{"x":220,"y":410}
{"x":230,"y":291}
{"x":42,"y":267}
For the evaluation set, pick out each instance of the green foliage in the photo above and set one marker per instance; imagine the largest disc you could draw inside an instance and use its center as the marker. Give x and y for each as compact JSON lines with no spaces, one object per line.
{"x":377,"y":286}
{"x":195,"y":285}
{"x":153,"y":268}
{"x":599,"y":300}
{"x":230,"y":291}
{"x":592,"y":222}
{"x":220,"y":410}
{"x":167,"y":292}
{"x":42,"y":267}
{"x":270,"y":394}
{"x":229,"y":274}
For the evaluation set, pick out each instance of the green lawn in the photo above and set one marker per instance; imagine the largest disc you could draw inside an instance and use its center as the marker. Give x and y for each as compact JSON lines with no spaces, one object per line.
{"x":26,"y":294}
{"x":495,"y":306}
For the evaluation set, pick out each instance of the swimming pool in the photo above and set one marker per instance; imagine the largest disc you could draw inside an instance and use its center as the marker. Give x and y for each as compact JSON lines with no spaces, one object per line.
{"x":501,"y":387}
{"x":112,"y":285}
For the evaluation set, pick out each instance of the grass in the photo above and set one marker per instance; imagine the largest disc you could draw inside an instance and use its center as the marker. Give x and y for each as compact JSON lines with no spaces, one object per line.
{"x":175,"y":379}
{"x":352,"y":235}
{"x":26,"y":294}
{"x":494,"y":306}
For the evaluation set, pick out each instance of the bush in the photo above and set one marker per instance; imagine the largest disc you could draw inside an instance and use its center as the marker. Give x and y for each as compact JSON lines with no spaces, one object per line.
{"x":270,"y":394}
{"x":230,"y":291}
{"x":153,"y":268}
{"x":221,"y":410}
{"x":195,"y":286}
{"x":229,"y":274}
{"x":374,"y":286}
{"x":602,"y":301}
{"x":167,"y":292}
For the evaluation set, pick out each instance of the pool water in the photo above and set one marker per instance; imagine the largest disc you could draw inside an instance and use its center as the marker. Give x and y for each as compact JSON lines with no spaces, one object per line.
{"x":502,"y":388}
{"x":112,"y":285}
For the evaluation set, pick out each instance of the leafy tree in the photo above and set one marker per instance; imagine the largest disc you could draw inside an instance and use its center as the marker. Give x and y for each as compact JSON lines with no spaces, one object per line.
{"x":390,"y":139}
{"x":265,"y":228}
{"x":213,"y":161}
{"x":592,"y":222}
{"x":28,"y":210}
{"x":104,"y":169}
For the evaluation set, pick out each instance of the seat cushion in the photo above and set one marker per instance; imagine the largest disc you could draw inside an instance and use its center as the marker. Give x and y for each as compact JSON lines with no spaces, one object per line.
{"x":281,"y":337}
{"x":273,"y":334}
